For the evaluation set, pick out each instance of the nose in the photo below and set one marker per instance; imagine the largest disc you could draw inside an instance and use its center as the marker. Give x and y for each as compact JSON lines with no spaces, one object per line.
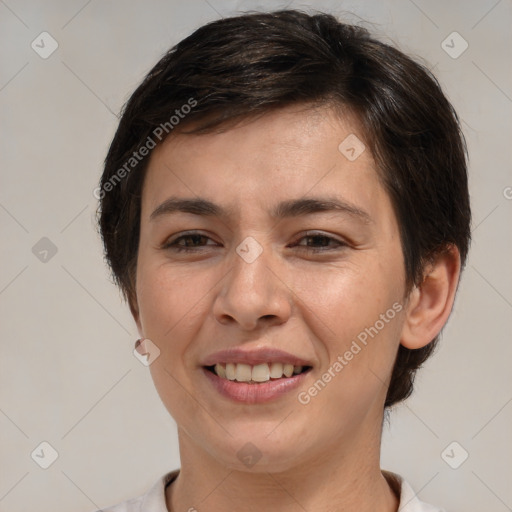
{"x":253,"y":295}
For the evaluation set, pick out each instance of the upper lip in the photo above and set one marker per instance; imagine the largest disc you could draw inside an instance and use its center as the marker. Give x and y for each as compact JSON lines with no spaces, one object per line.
{"x":254,"y":356}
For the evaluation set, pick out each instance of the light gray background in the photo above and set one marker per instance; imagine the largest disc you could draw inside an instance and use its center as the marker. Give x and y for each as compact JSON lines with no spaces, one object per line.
{"x":68,"y":375}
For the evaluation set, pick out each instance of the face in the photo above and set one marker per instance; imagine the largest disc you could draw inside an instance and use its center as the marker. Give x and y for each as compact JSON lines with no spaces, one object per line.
{"x":270,"y":273}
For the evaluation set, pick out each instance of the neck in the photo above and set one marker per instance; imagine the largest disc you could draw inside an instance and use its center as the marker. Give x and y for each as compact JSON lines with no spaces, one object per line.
{"x":344,"y":479}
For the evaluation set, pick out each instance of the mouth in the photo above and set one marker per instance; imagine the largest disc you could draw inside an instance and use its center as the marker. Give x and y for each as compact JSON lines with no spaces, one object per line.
{"x":258,"y":373}
{"x":254,"y":376}
{"x":261,"y":383}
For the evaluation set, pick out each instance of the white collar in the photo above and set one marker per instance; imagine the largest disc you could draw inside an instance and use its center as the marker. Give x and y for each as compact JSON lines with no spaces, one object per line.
{"x":409,"y":501}
{"x":154,"y":499}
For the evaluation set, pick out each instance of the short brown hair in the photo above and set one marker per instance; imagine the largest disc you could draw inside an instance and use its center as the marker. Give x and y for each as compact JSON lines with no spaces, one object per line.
{"x":254,"y":63}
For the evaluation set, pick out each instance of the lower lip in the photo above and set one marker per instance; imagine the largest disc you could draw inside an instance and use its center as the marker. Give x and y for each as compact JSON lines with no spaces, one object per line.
{"x":255,"y":393}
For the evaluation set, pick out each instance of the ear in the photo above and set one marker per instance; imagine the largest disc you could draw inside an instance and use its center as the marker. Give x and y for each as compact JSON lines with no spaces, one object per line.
{"x":430,"y":303}
{"x":134,"y":309}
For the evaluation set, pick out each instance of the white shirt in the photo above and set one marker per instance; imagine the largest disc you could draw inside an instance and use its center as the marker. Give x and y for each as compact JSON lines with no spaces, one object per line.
{"x":154,"y":499}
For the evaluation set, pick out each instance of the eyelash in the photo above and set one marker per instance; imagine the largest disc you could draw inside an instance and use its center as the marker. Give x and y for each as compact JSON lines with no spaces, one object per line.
{"x":177,"y":248}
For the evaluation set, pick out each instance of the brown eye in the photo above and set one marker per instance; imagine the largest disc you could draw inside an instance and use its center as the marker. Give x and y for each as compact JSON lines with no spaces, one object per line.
{"x":189,"y":242}
{"x":320,"y":242}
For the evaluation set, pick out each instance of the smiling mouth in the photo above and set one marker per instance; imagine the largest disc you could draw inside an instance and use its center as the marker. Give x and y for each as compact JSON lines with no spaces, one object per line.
{"x":256,"y":374}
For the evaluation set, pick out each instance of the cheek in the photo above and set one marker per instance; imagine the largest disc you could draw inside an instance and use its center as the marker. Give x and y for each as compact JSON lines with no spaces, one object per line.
{"x":169,"y":301}
{"x":343,"y":299}
{"x":167,"y":297}
{"x":352,"y":312}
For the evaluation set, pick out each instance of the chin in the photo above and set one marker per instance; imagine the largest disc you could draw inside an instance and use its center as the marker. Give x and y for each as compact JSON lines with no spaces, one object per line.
{"x":256,"y":451}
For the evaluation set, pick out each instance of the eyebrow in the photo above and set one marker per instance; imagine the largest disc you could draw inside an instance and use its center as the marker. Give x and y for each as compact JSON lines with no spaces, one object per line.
{"x":290,"y":208}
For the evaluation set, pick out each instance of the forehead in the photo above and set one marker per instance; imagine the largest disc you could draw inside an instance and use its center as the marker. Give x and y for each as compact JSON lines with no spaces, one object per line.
{"x":281,"y":155}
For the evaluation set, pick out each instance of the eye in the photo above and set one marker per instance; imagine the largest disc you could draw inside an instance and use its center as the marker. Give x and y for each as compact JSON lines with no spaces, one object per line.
{"x":322,"y":240}
{"x":191,"y":242}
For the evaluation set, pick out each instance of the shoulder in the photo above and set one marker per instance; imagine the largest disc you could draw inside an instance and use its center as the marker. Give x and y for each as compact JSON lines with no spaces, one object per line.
{"x":153,"y":500}
{"x":131,"y":505}
{"x":409,"y":501}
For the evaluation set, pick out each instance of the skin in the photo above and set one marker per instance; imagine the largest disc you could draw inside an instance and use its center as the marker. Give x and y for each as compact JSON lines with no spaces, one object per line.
{"x":323,"y":456}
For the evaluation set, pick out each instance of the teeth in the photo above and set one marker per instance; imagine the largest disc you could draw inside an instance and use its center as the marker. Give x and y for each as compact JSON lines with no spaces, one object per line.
{"x":243,"y":372}
{"x":230,"y":371}
{"x":276,"y":370}
{"x":288,"y":370}
{"x":220,"y":371}
{"x":258,"y":373}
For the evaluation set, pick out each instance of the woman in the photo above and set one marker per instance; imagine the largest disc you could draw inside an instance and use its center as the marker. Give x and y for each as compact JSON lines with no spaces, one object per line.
{"x":285,"y":209}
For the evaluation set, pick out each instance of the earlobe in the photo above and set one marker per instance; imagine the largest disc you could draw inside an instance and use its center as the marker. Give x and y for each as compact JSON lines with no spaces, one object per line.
{"x":134,"y":309}
{"x":431,"y":302}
